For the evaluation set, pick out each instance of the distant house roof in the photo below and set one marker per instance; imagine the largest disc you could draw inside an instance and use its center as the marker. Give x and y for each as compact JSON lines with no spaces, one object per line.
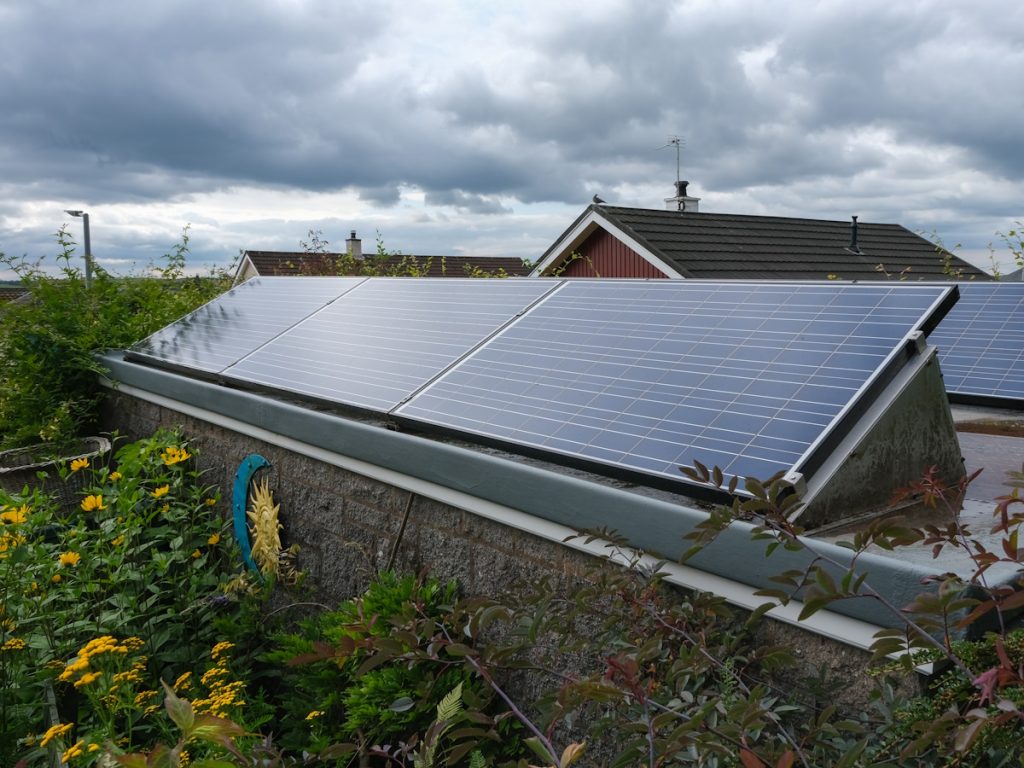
{"x":285,"y":263}
{"x":719,"y":245}
{"x":11,"y":293}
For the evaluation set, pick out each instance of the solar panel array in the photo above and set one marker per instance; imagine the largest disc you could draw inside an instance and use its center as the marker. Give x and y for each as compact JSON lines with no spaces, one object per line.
{"x":981,"y":344}
{"x":386,"y":339}
{"x":648,"y":377}
{"x":222,"y":331}
{"x":637,"y":377}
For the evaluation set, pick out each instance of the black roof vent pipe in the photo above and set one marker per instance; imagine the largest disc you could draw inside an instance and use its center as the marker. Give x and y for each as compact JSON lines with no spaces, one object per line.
{"x":853,"y":247}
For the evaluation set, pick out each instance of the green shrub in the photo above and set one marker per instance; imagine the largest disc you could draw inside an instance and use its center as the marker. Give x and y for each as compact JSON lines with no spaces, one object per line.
{"x":49,"y":387}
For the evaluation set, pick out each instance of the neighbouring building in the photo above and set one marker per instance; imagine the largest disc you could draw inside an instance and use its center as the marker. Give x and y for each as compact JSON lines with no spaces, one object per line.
{"x":289,"y":263}
{"x":683,"y":242}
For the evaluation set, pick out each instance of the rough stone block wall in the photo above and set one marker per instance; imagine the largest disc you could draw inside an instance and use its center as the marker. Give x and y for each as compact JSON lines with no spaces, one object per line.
{"x":346,"y":526}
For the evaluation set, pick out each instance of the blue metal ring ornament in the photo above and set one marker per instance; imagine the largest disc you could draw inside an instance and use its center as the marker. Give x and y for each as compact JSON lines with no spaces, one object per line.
{"x":250,"y":465}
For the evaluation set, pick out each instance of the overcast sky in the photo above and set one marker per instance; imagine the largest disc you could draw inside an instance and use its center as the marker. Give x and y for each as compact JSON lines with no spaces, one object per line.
{"x":486,"y":127}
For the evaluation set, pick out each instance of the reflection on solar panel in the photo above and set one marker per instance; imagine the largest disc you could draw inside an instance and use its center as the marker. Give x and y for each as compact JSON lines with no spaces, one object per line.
{"x":981,"y":344}
{"x":237,"y":322}
{"x":387,"y":338}
{"x":649,"y":376}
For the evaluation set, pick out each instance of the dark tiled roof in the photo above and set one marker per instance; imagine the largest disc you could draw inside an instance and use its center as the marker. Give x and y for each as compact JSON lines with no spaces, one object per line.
{"x":276,"y":263}
{"x":721,"y":245}
{"x":10,"y":293}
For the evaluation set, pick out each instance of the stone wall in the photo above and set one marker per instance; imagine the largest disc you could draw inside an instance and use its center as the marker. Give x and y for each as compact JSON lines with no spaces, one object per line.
{"x":349,"y":526}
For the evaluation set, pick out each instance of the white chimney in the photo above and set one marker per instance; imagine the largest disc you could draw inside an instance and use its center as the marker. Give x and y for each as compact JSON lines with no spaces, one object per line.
{"x":354,"y":247}
{"x":682,"y":201}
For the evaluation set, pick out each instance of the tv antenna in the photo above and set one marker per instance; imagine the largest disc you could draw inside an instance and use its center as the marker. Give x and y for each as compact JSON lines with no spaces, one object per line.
{"x":678,"y":142}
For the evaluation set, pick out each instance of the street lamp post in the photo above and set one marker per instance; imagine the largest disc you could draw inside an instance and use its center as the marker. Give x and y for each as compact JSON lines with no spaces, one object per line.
{"x":88,"y":246}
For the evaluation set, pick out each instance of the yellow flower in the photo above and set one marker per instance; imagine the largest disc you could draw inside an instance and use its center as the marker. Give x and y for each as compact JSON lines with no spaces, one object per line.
{"x":196,"y":553}
{"x":69,"y":558}
{"x":94,"y":747}
{"x":78,"y":464}
{"x":314,"y":714}
{"x":115,"y":476}
{"x":210,"y":502}
{"x":13,"y":644}
{"x":93,"y":503}
{"x":183,"y":681}
{"x":174,"y":455}
{"x":55,"y":732}
{"x":55,"y":578}
{"x":118,"y":541}
{"x":15,"y":516}
{"x":163,"y":490}
{"x":214,"y":539}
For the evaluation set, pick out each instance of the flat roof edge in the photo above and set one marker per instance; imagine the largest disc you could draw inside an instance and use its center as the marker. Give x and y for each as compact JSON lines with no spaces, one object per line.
{"x":649,"y":524}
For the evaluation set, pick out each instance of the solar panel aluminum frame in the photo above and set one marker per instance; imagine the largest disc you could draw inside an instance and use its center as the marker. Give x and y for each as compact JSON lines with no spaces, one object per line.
{"x":813,"y":458}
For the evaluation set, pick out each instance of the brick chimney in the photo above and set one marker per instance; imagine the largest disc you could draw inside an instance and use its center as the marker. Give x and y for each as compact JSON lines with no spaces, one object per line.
{"x":682,"y":202}
{"x":354,"y":246}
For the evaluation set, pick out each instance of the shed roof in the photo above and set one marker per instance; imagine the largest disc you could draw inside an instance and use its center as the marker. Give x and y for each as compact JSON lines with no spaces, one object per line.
{"x":725,"y":245}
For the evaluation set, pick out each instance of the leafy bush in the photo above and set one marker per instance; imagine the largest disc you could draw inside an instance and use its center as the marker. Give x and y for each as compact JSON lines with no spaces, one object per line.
{"x":49,"y":385}
{"x":330,"y":684}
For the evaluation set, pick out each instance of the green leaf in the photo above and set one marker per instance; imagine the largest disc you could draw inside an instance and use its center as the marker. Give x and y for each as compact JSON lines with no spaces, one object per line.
{"x":179,"y":710}
{"x":403,"y":704}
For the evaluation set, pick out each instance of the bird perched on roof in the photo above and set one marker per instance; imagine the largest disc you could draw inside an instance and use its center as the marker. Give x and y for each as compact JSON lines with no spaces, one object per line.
{"x":597,"y":200}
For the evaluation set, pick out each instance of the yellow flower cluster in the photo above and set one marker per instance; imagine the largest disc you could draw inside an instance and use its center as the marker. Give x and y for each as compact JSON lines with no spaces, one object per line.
{"x":224,"y":692}
{"x":79,"y":666}
{"x":14,"y":515}
{"x":93,"y":503}
{"x":130,"y":677}
{"x":57,"y":731}
{"x":75,"y":750}
{"x":13,"y":644}
{"x":146,"y":701}
{"x":221,"y":649}
{"x":78,"y":464}
{"x":174,"y":455}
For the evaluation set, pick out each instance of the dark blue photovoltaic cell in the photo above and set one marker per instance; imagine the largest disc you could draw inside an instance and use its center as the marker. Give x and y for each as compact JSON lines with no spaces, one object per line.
{"x":981,"y":342}
{"x":239,"y":321}
{"x":650,"y":376}
{"x":382,"y":341}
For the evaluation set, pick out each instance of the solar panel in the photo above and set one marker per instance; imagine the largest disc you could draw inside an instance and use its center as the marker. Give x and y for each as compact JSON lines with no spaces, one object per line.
{"x":645,"y":377}
{"x":220,"y":332}
{"x":981,"y":344}
{"x":385,"y":339}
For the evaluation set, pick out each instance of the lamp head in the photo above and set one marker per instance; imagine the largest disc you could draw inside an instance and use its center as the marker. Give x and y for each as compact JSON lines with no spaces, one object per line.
{"x":74,"y":213}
